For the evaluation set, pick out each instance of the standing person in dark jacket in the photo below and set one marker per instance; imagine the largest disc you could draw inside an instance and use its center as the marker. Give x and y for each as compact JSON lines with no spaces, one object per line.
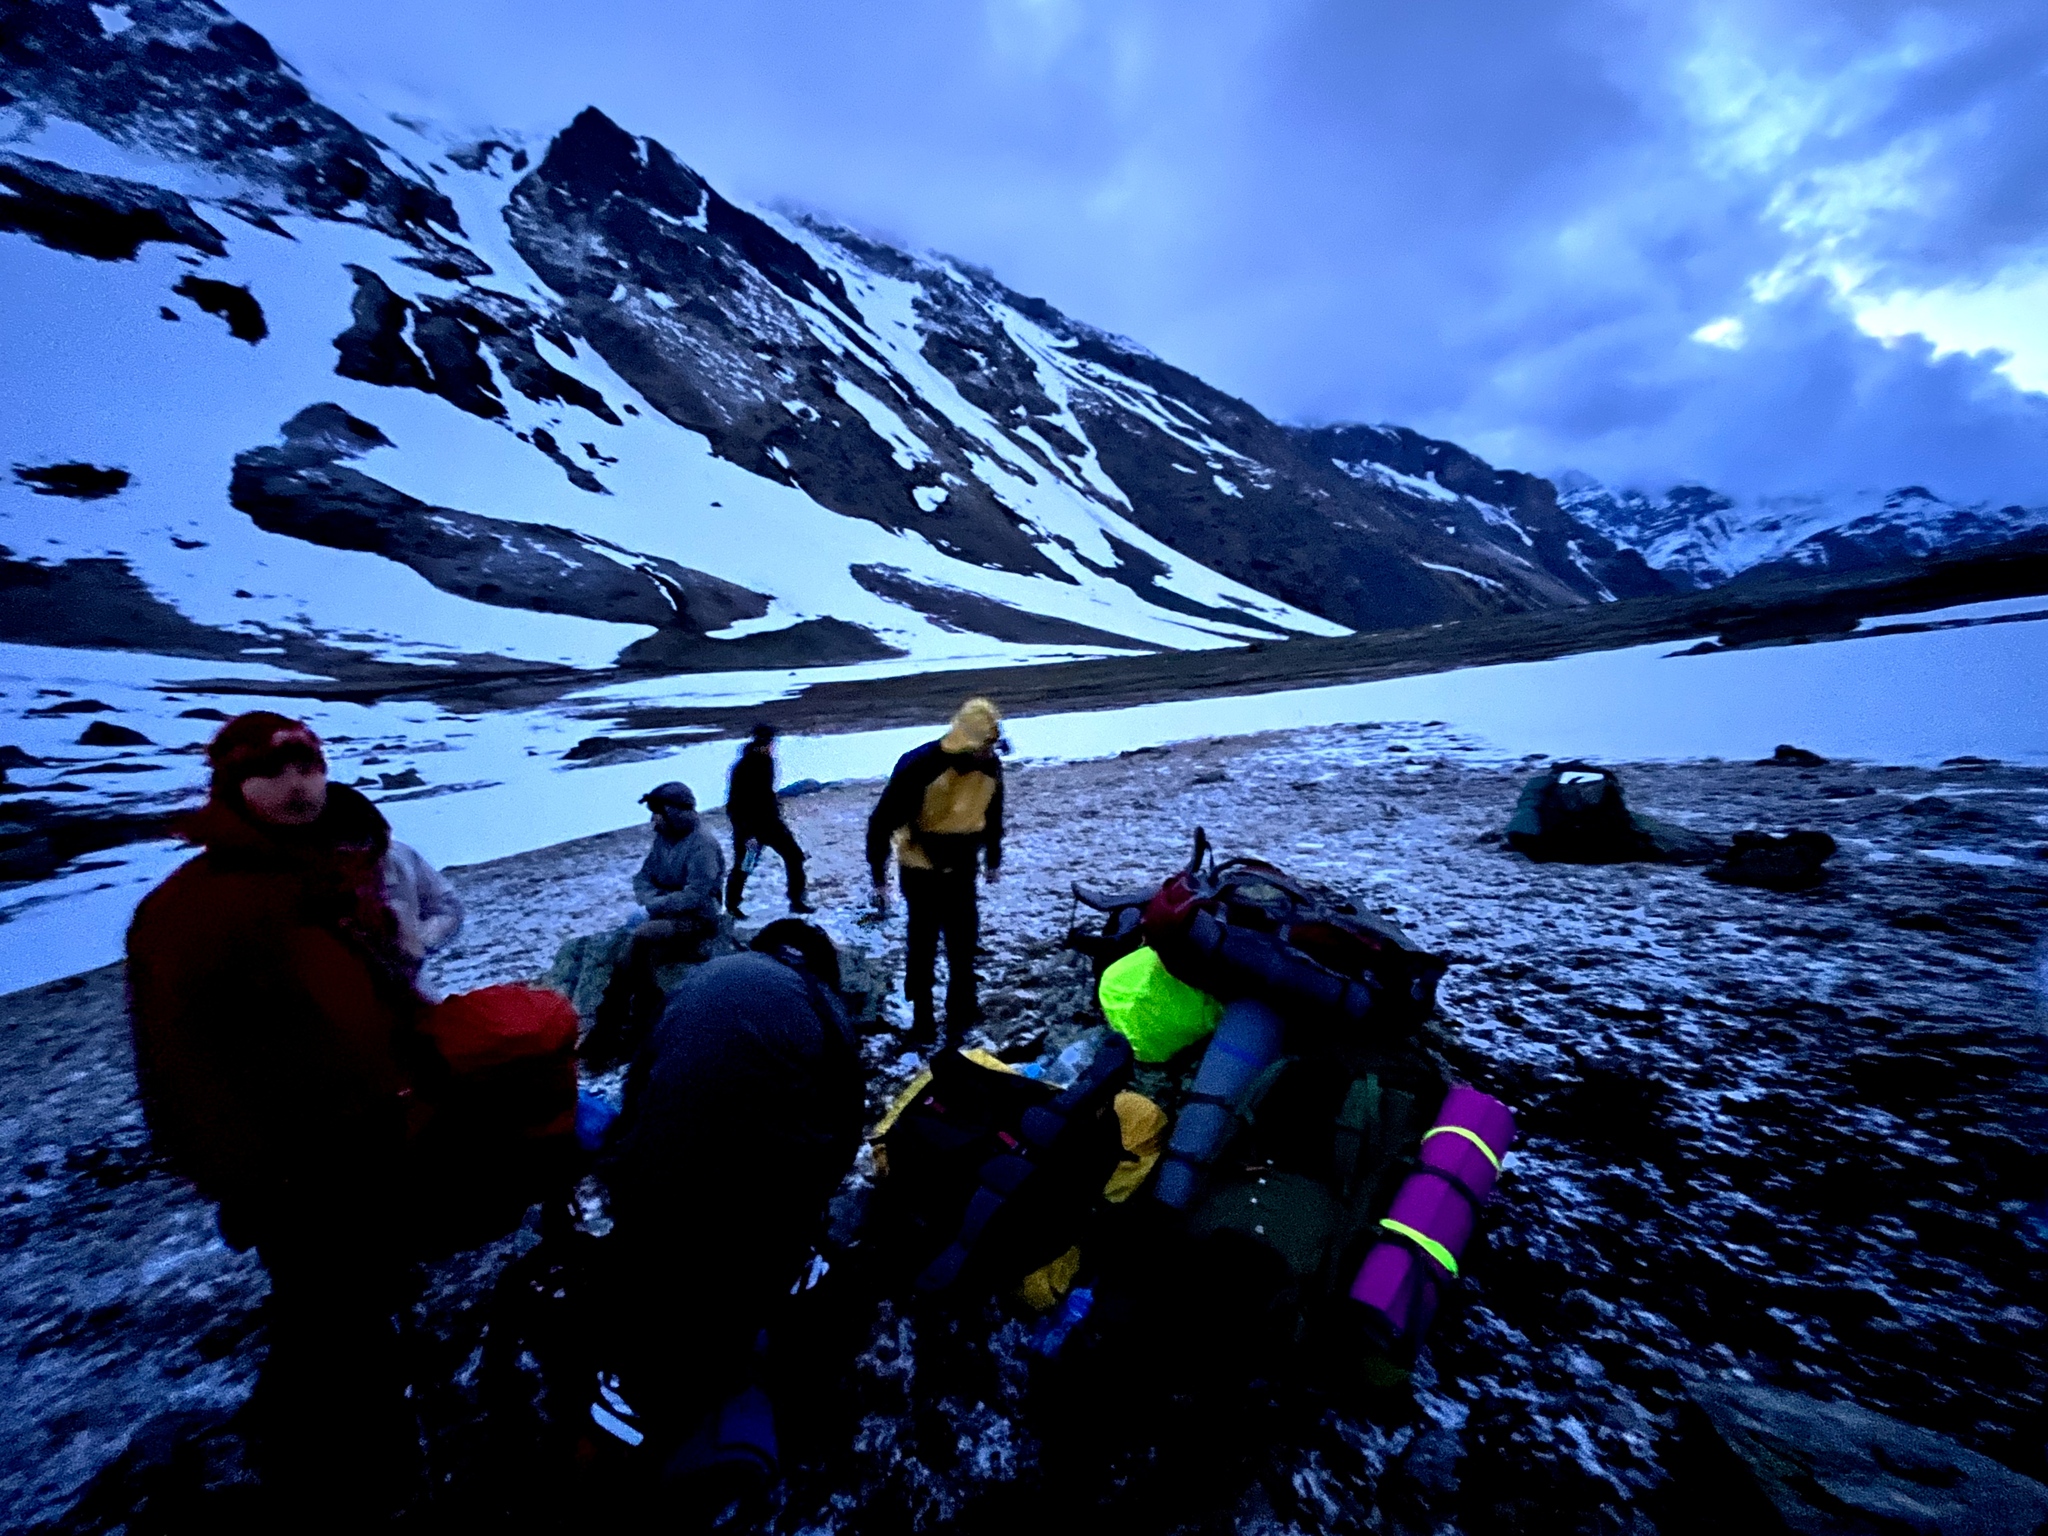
{"x":942,"y":813}
{"x":743,"y":1112}
{"x":756,"y":817}
{"x":273,"y":1018}
{"x":678,"y":885}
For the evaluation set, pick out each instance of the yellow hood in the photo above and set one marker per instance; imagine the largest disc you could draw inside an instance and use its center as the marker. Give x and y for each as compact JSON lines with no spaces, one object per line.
{"x":976,"y":724}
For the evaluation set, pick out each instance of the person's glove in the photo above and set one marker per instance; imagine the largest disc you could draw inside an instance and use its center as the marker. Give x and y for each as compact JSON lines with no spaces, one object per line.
{"x":881,"y":900}
{"x":992,"y":873}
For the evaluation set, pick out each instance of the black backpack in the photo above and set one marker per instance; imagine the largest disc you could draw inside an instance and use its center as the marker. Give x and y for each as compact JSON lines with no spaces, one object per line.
{"x":1575,"y":812}
{"x":990,"y":1175}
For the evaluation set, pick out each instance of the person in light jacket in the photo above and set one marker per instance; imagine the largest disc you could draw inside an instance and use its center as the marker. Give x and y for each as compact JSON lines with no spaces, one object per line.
{"x":427,"y":910}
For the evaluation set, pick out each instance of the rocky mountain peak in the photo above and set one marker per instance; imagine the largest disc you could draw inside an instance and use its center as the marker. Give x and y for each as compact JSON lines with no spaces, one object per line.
{"x":1700,"y":536}
{"x":642,"y":377}
{"x":186,"y":80}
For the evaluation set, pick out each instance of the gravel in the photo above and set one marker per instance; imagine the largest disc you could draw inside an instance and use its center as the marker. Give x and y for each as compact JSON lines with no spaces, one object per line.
{"x":1799,"y":1138}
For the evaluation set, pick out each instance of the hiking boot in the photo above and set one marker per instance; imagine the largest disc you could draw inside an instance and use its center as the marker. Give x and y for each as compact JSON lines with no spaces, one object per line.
{"x":924,"y":1026}
{"x":735,"y":911}
{"x":958,"y":1022}
{"x":798,"y":905}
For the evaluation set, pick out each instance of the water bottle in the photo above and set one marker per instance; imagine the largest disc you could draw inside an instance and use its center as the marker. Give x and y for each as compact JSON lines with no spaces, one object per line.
{"x":1064,"y":1068}
{"x":1052,"y":1334}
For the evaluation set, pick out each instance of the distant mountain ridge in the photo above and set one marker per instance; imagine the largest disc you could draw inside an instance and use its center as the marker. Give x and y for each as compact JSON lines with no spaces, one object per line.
{"x":469,"y":379}
{"x":1701,"y":537}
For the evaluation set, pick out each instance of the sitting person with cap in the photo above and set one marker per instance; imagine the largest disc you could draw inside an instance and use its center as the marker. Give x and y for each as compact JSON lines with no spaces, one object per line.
{"x":681,"y":887}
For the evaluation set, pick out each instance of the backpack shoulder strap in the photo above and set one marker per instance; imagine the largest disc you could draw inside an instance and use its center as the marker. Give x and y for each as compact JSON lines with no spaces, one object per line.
{"x":1358,"y":1121}
{"x":1246,"y":1106}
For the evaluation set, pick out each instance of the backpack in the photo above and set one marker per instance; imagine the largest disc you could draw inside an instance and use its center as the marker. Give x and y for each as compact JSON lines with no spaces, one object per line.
{"x":504,"y":1126}
{"x":510,"y":1051}
{"x":1247,"y":929}
{"x":990,"y":1174}
{"x":1574,"y":813}
{"x":1292,"y":1204}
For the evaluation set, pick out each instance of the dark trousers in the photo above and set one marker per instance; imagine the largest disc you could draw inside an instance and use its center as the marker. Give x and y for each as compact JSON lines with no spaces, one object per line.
{"x":942,"y":903}
{"x":687,"y":1302}
{"x":632,"y":1000}
{"x":773,"y":835}
{"x":336,"y":1437}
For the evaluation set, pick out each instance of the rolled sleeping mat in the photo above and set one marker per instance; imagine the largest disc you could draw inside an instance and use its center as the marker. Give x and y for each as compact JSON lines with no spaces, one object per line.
{"x":1433,"y":1214}
{"x":1246,"y":1042}
{"x":1231,"y":961}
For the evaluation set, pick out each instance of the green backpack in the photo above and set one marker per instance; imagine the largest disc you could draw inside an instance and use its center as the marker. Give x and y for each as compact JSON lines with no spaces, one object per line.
{"x":1313,"y":1161}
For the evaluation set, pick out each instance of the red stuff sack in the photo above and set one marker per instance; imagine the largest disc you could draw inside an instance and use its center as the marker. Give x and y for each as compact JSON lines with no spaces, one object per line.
{"x":510,"y":1051}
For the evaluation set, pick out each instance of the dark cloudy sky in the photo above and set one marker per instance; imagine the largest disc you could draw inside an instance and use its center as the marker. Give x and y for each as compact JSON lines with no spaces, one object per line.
{"x":1768,"y":244}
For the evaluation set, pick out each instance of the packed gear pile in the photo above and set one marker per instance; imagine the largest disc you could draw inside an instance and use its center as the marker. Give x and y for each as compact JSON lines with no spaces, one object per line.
{"x":1262,"y":1168}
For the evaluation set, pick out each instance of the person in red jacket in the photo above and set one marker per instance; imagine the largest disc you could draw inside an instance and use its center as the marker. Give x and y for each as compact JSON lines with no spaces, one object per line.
{"x":273,"y":1018}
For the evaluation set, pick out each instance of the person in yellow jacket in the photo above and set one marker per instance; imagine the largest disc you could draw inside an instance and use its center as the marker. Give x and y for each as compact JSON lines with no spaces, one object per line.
{"x":942,"y":815}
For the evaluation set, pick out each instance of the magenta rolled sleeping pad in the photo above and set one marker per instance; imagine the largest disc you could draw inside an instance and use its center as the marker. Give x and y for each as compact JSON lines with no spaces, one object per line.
{"x":1431,"y":1217}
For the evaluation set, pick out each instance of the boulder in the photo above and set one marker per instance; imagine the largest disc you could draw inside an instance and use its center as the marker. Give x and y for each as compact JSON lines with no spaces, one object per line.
{"x":584,"y":964}
{"x":1817,"y":1468}
{"x":1792,"y":861}
{"x":1792,"y":757}
{"x":103,"y":733}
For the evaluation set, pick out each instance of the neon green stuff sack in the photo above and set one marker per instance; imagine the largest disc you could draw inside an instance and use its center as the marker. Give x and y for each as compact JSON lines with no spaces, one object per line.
{"x":1159,"y":1014}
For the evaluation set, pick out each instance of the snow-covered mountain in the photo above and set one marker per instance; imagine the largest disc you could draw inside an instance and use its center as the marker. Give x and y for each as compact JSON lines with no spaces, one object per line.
{"x":346,"y":394}
{"x":1701,"y":537}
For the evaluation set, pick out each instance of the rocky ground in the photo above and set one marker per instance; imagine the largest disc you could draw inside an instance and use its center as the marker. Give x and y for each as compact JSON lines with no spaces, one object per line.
{"x":1797,"y":1137}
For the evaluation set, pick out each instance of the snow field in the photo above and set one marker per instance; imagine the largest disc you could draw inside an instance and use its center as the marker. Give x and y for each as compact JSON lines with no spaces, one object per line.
{"x":496,"y":784}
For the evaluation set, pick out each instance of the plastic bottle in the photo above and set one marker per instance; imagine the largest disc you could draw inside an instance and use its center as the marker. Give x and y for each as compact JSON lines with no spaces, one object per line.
{"x":1052,"y":1334}
{"x":1064,"y":1068}
{"x":594,"y":1119}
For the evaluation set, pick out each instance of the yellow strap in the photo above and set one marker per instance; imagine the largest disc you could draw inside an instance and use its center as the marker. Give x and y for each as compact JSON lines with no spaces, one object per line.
{"x":1472,"y":1136}
{"x":1428,"y":1245}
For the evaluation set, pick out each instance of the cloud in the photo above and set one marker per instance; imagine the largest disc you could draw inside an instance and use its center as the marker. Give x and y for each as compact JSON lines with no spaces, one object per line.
{"x":2008,"y":315}
{"x":1511,"y":225}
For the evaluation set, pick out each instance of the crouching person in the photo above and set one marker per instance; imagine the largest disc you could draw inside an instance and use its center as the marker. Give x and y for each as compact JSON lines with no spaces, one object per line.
{"x":274,"y":1020}
{"x":743,"y":1111}
{"x":680,"y":886}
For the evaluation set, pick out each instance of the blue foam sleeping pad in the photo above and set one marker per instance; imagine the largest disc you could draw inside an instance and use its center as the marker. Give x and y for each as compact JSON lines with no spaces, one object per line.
{"x":1245,"y":1043}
